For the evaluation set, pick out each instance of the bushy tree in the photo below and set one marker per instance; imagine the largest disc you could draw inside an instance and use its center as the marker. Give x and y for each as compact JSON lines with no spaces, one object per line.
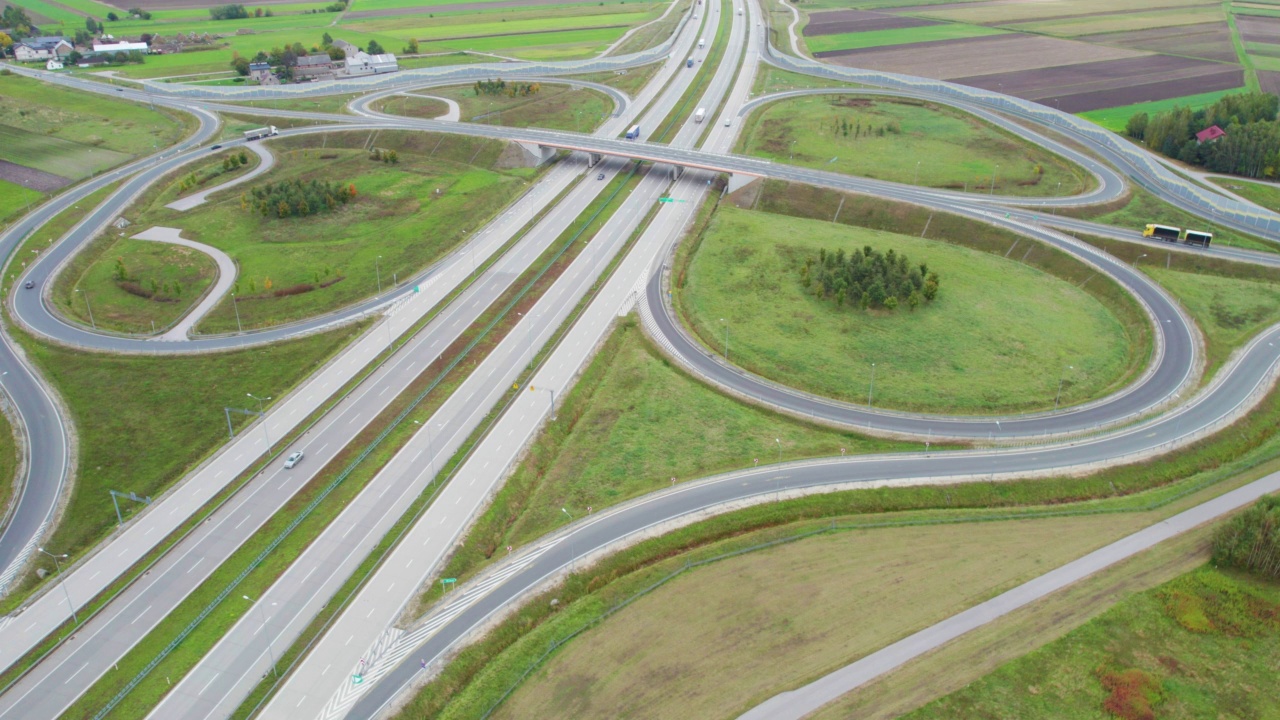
{"x":298,"y":198}
{"x":228,"y":12}
{"x":1251,"y":146}
{"x":374,"y":48}
{"x":412,"y":47}
{"x":1251,"y":540}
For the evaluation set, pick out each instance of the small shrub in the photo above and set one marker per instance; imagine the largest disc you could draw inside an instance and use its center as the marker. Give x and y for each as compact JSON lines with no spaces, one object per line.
{"x":1133,"y":693}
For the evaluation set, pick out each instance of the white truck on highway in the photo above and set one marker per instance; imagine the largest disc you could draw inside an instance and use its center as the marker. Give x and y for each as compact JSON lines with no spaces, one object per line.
{"x":702,"y":42}
{"x":700,"y":115}
{"x":261,"y":132}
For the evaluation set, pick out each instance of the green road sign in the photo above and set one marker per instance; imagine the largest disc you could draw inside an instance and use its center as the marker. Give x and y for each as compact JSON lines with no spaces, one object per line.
{"x":357,"y":679}
{"x":666,"y":199}
{"x":449,"y":580}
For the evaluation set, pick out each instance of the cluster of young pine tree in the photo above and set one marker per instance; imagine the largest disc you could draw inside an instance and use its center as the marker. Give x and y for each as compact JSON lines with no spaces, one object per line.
{"x":867,"y":278}
{"x":295,"y":198}
{"x":502,"y":87}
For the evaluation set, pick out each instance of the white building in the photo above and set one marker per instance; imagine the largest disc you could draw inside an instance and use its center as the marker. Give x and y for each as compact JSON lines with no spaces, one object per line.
{"x":118,"y":46}
{"x":362,"y":63}
{"x":41,"y":48}
{"x":53,"y":64}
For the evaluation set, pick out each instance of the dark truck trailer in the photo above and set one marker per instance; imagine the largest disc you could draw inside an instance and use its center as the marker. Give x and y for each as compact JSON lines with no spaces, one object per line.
{"x":1164,"y":232}
{"x":1197,"y":238}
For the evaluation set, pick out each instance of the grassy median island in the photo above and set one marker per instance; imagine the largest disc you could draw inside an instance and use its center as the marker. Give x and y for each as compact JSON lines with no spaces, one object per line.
{"x":518,"y":104}
{"x":1230,"y":311}
{"x":906,"y":141}
{"x":408,"y":210}
{"x":997,"y":338}
{"x":8,"y":466}
{"x":1202,"y":645}
{"x":144,"y":422}
{"x":630,"y":424}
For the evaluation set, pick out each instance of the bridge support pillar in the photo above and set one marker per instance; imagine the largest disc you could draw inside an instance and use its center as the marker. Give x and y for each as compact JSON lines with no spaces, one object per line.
{"x":737,"y":181}
{"x":677,"y":171}
{"x":535,"y":154}
{"x":593,"y":159}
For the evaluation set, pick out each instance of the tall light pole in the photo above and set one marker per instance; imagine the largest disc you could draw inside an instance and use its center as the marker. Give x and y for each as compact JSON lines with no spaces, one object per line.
{"x":726,"y":341}
{"x":992,"y":189}
{"x":1061,"y":377}
{"x":270,"y":653}
{"x":262,"y":412}
{"x":916,"y":181}
{"x":573,"y":555}
{"x":377,"y":269}
{"x":58,"y":565}
{"x":236,"y":304}
{"x":88,"y":307}
{"x":872,"y":389}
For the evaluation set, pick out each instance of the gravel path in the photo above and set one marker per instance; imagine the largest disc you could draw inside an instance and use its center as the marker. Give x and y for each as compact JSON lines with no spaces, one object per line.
{"x":226,"y":276}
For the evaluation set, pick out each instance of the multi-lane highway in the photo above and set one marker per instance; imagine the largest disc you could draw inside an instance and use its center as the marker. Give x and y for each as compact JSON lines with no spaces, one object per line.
{"x":367,"y":640}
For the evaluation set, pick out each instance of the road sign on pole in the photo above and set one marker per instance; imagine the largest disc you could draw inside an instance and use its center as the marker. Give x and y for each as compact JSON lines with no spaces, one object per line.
{"x":357,"y":679}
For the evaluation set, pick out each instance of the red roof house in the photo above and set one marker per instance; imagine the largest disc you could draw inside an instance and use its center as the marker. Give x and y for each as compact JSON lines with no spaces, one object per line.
{"x":1209,"y":134}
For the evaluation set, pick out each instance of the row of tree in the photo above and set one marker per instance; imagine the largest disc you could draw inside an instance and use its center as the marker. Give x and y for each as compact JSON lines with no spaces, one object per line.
{"x":1251,"y":539}
{"x":502,"y":87}
{"x":867,"y":278}
{"x":842,"y":127}
{"x":1251,"y":146}
{"x":298,"y":198}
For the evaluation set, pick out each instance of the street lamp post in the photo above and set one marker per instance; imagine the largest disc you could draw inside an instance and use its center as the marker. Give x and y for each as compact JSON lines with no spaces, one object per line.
{"x":573,"y":555}
{"x":1061,"y":377}
{"x":236,"y":304}
{"x":262,"y":412}
{"x":726,"y":341}
{"x":872,"y":389}
{"x":88,"y":307}
{"x":377,"y":269}
{"x":916,"y":180}
{"x":270,"y":653}
{"x":66,"y":592}
{"x":992,"y":189}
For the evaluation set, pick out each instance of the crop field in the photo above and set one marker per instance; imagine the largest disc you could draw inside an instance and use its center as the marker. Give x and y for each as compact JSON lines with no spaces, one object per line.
{"x":1115,"y":118}
{"x":404,"y":216}
{"x":52,"y":130}
{"x":1078,"y":56}
{"x":928,"y":145}
{"x":14,"y":198}
{"x":746,"y":270}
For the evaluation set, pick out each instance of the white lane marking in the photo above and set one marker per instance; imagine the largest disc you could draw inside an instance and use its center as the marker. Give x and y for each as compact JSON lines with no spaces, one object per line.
{"x":206,"y":686}
{"x":193,"y":565}
{"x":144,"y":612}
{"x":82,"y":667}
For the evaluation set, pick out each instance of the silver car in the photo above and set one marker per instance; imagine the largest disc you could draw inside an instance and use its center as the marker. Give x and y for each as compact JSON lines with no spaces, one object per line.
{"x":293,"y":460}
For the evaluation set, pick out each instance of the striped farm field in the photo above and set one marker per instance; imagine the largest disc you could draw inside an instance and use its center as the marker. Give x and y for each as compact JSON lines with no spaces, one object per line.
{"x":1005,"y":13}
{"x":437,"y":32}
{"x":1090,"y":25}
{"x":899,"y":36}
{"x":50,"y":11}
{"x":1115,"y":118}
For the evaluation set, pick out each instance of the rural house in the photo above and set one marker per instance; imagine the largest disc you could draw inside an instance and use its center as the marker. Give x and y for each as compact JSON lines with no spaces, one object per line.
{"x":41,"y":48}
{"x":362,"y":63}
{"x":347,"y":48}
{"x":260,"y":73}
{"x":118,"y":46}
{"x":313,"y":67}
{"x":53,"y":64}
{"x":1209,"y":134}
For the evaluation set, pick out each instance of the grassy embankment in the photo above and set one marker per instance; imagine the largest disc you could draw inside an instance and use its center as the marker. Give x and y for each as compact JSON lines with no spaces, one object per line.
{"x":659,"y":423}
{"x":480,"y":675}
{"x":8,"y":466}
{"x":975,"y":350}
{"x":907,"y":142}
{"x":1140,"y":207}
{"x":656,"y":32}
{"x":344,"y":477}
{"x":143,"y":422}
{"x":557,"y":107}
{"x":51,"y":128}
{"x":1201,"y":645}
{"x":771,"y":79}
{"x":293,"y":268}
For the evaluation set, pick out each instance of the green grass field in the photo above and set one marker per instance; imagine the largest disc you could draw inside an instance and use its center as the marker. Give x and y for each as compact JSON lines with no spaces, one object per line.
{"x":1114,"y":119}
{"x":1203,"y":645}
{"x":557,"y":107}
{"x":631,"y":423}
{"x":397,"y":224}
{"x":1229,"y":311}
{"x":53,"y":129}
{"x":8,"y":463}
{"x":1268,"y":196}
{"x":729,"y":635}
{"x":904,"y":142}
{"x":14,"y":198}
{"x":900,"y":36}
{"x":976,"y":349}
{"x":142,"y":422}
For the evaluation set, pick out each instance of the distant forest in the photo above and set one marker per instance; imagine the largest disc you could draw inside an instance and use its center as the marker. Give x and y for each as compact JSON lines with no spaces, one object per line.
{"x":1251,"y":146}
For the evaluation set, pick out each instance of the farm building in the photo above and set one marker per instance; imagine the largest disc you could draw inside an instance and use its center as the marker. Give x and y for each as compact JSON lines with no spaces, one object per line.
{"x":347,"y":48}
{"x":362,"y":63}
{"x":42,"y":48}
{"x":123,"y":45}
{"x":313,"y":67}
{"x":1209,"y":134}
{"x":53,"y":64}
{"x":260,"y":73}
